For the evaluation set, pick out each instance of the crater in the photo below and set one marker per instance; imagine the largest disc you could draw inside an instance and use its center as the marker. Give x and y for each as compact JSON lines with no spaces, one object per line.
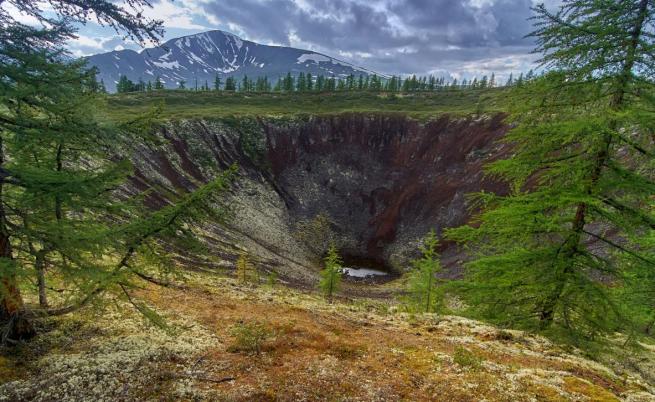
{"x":372,"y":184}
{"x":383,"y":181}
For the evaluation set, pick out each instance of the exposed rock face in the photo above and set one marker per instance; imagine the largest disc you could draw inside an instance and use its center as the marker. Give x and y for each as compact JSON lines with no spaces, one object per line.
{"x":378,"y":182}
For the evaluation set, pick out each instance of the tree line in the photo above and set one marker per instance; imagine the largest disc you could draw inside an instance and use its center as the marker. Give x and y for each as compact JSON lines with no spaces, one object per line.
{"x":306,"y":82}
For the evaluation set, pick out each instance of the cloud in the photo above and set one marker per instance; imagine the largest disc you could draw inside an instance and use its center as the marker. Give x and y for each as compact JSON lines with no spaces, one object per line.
{"x":396,"y":36}
{"x":18,"y":16}
{"x":179,"y":18}
{"x":457,"y":38}
{"x":88,"y":44}
{"x":177,"y":14}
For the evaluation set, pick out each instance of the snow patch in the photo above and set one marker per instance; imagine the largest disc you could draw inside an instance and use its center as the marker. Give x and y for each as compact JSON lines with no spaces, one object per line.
{"x":167,"y":64}
{"x":237,"y":41}
{"x":207,"y":42}
{"x":196,"y":58}
{"x":317,"y":58}
{"x":228,"y":70}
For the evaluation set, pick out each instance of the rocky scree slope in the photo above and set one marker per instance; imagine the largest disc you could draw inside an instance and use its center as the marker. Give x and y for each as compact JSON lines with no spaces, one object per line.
{"x":372,"y":183}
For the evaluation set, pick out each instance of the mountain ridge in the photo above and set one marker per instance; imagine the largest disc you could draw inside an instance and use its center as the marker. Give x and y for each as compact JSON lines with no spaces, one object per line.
{"x":200,"y":57}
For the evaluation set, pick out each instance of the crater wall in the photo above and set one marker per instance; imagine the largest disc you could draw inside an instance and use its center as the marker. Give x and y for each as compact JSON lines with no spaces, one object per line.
{"x":372,"y":183}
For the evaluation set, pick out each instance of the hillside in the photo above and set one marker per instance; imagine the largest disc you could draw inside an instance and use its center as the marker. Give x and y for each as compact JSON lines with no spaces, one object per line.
{"x":202,"y":57}
{"x":352,"y":350}
{"x":370,"y":172}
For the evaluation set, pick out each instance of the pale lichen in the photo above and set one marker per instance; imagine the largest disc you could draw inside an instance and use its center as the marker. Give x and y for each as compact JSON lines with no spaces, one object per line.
{"x":115,"y":365}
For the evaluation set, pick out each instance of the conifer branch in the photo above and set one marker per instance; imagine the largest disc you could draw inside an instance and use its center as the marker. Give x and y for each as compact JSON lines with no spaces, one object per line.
{"x":621,"y":248}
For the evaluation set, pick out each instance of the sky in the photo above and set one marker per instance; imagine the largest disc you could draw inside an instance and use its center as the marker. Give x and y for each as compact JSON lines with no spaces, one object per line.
{"x":456,"y":39}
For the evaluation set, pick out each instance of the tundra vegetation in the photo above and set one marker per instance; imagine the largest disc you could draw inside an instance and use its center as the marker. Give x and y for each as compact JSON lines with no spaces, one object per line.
{"x":568,"y":252}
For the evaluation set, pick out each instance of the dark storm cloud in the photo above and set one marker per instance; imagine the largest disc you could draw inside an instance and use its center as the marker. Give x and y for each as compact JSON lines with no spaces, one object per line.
{"x":392,"y":36}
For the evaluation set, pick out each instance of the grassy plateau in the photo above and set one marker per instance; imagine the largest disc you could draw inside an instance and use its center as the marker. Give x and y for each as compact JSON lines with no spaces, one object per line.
{"x":179,"y":104}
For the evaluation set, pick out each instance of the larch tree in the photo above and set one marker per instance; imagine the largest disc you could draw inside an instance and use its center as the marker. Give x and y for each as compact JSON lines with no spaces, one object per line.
{"x":63,"y":204}
{"x":245,"y":270}
{"x":562,"y":250}
{"x":331,"y":273}
{"x":217,"y":83}
{"x":423,"y":294}
{"x":310,"y":82}
{"x":230,"y":84}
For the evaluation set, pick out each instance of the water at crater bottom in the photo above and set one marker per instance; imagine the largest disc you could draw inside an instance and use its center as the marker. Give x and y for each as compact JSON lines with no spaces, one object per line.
{"x":362,"y":272}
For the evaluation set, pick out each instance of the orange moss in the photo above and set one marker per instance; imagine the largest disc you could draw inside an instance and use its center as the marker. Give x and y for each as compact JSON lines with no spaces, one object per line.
{"x":322,"y":352}
{"x":542,"y":392}
{"x":593,"y":392}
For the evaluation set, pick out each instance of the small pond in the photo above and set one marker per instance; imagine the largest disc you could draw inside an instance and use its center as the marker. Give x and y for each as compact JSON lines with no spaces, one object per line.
{"x":358,"y":272}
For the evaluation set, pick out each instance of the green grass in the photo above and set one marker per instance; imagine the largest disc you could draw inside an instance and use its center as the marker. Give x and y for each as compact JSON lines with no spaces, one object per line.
{"x":187,"y":104}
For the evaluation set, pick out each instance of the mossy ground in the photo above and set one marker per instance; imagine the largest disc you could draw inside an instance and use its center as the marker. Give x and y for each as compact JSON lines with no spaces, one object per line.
{"x":350,"y":350}
{"x":189,"y":104}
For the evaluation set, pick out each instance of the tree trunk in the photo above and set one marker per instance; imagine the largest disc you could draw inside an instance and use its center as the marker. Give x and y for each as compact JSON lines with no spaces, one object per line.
{"x":648,"y":329}
{"x":15,"y":325}
{"x":427,"y":307}
{"x":40,"y":276}
{"x":571,"y":246}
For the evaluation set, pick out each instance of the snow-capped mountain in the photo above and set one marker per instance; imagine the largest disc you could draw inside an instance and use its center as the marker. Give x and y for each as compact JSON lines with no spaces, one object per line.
{"x":200,"y":57}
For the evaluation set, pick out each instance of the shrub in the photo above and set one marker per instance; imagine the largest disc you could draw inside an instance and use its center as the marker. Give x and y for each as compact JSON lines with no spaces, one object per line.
{"x":467,"y":359}
{"x":271,"y":278}
{"x":245,"y":270}
{"x":249,"y":337}
{"x":423,"y":294}
{"x":331,"y":274}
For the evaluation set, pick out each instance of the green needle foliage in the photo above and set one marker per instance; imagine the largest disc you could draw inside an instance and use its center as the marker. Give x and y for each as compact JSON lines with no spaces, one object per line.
{"x":570,"y":248}
{"x":246,"y":271}
{"x":423,"y":293}
{"x":67,"y":219}
{"x":331,"y":274}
